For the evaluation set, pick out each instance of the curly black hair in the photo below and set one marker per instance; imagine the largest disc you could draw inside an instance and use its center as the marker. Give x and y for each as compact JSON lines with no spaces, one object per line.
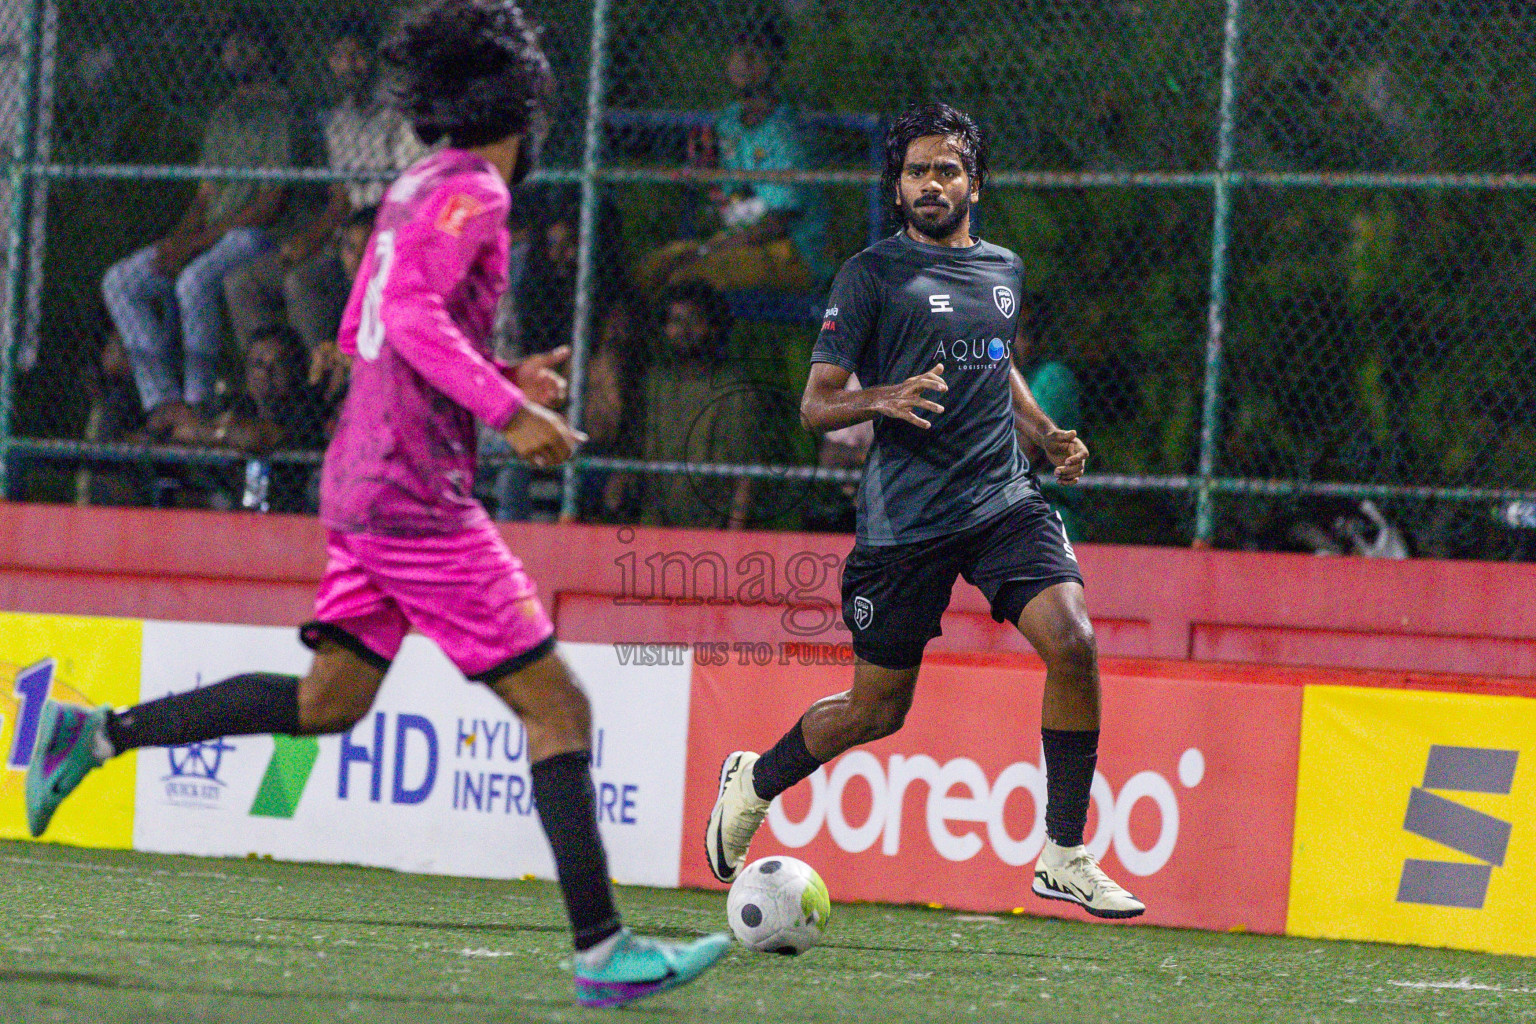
{"x":470,"y":71}
{"x":934,"y":119}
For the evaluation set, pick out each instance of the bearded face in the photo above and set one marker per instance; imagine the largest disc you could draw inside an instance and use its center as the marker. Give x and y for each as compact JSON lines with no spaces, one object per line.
{"x":934,"y":192}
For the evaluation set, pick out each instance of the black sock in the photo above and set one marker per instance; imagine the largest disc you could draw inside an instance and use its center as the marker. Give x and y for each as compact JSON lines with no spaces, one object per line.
{"x":562,"y":791}
{"x":786,"y":763}
{"x":259,"y":702}
{"x":1070,"y":757}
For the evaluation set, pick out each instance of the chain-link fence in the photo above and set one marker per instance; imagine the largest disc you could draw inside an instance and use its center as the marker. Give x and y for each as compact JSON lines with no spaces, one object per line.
{"x":1279,"y":262}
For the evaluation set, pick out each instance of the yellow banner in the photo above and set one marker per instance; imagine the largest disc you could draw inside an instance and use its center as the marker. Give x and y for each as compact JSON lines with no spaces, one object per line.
{"x":1416,"y":819}
{"x":79,"y":661}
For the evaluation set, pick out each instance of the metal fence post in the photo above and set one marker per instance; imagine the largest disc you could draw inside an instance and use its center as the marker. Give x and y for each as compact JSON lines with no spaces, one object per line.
{"x":23,"y":149}
{"x":42,"y":152}
{"x":586,"y":242}
{"x":1221,"y":226}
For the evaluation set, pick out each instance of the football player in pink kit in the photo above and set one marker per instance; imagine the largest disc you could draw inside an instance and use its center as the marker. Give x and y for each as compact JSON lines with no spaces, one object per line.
{"x":408,"y":545}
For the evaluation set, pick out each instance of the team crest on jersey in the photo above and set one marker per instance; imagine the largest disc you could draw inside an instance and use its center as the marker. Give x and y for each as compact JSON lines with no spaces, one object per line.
{"x":863,"y":612}
{"x":456,"y":213}
{"x":1003,"y":296}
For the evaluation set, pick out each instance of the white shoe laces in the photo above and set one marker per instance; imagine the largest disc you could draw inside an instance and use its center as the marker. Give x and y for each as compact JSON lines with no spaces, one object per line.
{"x":1089,"y":868}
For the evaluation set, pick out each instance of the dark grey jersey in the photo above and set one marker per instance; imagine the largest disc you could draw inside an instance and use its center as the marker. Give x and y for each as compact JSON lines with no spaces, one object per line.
{"x":897,"y":309}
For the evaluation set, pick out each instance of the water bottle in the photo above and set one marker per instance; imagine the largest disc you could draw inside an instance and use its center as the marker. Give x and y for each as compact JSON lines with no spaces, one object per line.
{"x":1518,"y":515}
{"x":258,"y":479}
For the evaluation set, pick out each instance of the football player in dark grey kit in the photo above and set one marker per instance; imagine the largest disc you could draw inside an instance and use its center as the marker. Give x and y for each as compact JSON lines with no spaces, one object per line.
{"x":925,"y":318}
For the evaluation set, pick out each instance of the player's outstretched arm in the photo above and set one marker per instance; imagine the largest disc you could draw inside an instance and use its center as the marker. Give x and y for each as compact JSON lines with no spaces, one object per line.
{"x":1063,"y":448}
{"x":826,"y":406}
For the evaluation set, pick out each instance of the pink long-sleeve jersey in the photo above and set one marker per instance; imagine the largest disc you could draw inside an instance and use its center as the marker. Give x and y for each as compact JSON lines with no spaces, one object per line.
{"x":418,"y":325}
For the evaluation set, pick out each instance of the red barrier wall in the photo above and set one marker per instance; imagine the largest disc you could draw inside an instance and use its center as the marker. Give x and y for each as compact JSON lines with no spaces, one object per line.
{"x":611,"y":584}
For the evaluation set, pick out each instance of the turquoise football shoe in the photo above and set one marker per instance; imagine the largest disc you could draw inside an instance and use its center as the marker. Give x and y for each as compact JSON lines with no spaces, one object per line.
{"x":640,"y":967}
{"x":63,"y":753}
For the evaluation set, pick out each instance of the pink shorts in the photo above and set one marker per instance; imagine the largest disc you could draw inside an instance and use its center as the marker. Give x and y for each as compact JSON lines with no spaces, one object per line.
{"x":464,"y":591}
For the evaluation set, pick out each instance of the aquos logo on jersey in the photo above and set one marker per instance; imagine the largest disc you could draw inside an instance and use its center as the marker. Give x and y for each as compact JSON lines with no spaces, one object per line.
{"x":971,"y":353}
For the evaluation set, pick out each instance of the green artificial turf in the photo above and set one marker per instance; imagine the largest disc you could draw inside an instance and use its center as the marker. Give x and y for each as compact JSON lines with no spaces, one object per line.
{"x":94,"y":936}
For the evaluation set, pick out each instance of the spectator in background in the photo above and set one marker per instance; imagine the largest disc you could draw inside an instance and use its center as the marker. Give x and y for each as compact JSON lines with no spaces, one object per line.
{"x":845,"y":449}
{"x":176,"y":285}
{"x":546,"y":292}
{"x":538,"y":312}
{"x":772,"y":235}
{"x":273,"y":410}
{"x":1059,"y":395}
{"x":609,"y":409}
{"x":607,"y":419}
{"x":505,"y":341}
{"x":695,"y":408}
{"x":302,"y":282}
{"x":327,"y":366}
{"x":115,"y":415}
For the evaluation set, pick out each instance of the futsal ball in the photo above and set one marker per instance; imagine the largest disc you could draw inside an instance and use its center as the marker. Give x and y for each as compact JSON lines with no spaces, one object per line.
{"x":779,"y":905}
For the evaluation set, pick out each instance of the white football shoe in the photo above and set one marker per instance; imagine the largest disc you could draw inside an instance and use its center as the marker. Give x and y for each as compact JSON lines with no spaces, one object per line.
{"x":1071,"y":874}
{"x":734,"y":821}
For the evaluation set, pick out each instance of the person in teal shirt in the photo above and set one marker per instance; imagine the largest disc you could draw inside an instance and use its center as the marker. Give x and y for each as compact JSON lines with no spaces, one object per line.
{"x":772,"y":235}
{"x":1059,"y":396}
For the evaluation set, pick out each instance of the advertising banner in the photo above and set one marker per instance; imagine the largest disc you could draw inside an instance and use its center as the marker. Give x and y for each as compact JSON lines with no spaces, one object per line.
{"x":1192,"y":805}
{"x":78,"y":661}
{"x":1416,"y":819}
{"x":433,"y":779}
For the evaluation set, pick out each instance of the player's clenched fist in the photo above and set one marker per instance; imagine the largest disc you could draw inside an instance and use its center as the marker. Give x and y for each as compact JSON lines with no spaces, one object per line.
{"x":1067,"y":453}
{"x":541,"y":437}
{"x":907,"y":397}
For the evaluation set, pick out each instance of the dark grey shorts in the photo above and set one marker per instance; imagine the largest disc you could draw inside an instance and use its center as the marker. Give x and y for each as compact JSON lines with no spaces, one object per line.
{"x":894,"y":596}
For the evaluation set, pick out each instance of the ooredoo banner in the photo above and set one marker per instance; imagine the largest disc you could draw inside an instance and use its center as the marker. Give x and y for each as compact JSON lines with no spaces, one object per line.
{"x":433,"y":779}
{"x":1430,"y":799}
{"x":1192,"y":805}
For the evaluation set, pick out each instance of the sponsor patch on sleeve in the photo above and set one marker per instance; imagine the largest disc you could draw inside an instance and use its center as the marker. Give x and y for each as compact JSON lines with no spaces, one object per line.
{"x":456,"y":213}
{"x":829,"y":320}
